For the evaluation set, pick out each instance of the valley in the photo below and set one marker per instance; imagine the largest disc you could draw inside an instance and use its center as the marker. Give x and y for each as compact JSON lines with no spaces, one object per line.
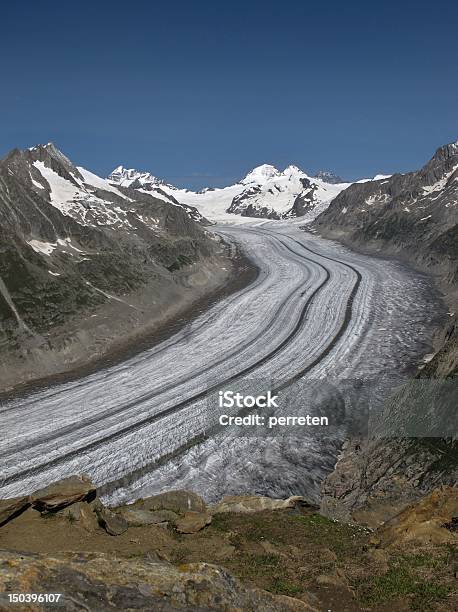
{"x":315,"y":312}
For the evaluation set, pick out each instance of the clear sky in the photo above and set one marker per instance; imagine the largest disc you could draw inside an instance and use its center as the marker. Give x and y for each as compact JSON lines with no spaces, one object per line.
{"x":198,"y":92}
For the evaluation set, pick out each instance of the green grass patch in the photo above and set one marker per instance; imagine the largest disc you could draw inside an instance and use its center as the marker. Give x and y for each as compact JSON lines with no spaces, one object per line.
{"x":263,"y":564}
{"x":285,"y":587}
{"x":220,"y":522}
{"x":401,"y":581}
{"x":339,"y":537}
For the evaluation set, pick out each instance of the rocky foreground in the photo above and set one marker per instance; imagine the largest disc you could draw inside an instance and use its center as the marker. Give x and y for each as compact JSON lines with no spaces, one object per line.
{"x":173,"y":552}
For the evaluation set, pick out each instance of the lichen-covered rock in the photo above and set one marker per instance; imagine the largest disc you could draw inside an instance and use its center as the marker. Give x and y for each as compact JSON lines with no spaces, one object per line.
{"x":10,"y":508}
{"x":253,"y":503}
{"x":94,"y":581}
{"x":60,"y":494}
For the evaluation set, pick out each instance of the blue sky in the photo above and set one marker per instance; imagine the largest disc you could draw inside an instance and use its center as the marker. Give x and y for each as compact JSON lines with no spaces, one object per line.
{"x":200,"y":92}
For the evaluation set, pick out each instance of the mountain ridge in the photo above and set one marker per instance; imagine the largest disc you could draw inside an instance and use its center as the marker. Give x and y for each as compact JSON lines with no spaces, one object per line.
{"x":264,"y":192}
{"x":412,"y":215}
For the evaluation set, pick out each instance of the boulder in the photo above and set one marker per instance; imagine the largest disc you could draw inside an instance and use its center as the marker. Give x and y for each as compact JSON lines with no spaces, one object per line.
{"x":114,"y":524}
{"x":10,"y":508}
{"x":60,"y":494}
{"x":177,"y":501}
{"x":103,"y":582}
{"x":192,"y":522}
{"x":137,"y":517}
{"x":254,"y":503}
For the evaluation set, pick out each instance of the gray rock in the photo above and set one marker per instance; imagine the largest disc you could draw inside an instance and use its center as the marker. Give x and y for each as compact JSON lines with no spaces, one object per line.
{"x":177,"y":501}
{"x":192,"y":522}
{"x":137,"y":517}
{"x":114,"y":524}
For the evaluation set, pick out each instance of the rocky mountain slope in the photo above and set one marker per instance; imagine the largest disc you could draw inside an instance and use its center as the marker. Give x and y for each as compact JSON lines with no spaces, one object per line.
{"x":265,"y":192}
{"x":414,"y":448}
{"x":70,"y":243}
{"x":414,"y":215}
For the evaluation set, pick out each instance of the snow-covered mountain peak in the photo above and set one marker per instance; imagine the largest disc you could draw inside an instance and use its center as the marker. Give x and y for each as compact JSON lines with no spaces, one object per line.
{"x":293,"y":170}
{"x":264,"y":192}
{"x":125,"y":177}
{"x":50,"y":155}
{"x":260,"y":174}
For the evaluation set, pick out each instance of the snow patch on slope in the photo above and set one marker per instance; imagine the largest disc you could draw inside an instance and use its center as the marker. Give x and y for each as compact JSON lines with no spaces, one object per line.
{"x":79,"y":201}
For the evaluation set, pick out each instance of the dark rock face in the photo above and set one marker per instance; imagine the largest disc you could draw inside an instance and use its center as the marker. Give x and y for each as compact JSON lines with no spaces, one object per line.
{"x":328,"y":177}
{"x":414,"y":214}
{"x":70,"y":241}
{"x":305,"y":201}
{"x":242,"y":206}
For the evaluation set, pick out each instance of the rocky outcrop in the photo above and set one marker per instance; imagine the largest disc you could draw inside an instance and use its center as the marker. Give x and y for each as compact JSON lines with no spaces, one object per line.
{"x":76,"y":498}
{"x":97,"y":581}
{"x":113,"y":523}
{"x":90,"y":581}
{"x":63,"y":493}
{"x":377,"y":477}
{"x":426,"y":521}
{"x":137,"y":517}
